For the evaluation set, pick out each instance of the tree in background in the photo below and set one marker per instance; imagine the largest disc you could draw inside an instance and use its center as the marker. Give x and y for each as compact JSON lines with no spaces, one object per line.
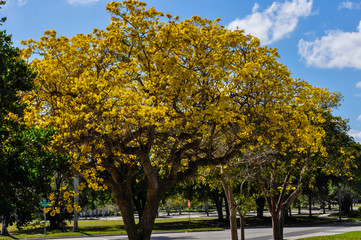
{"x":282,"y":173}
{"x":25,"y":175}
{"x":237,"y":178}
{"x":27,"y":165}
{"x":15,"y":76}
{"x":164,"y":96}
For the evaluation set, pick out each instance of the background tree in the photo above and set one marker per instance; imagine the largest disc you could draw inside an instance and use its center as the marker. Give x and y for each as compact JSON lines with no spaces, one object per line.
{"x":236,"y":178}
{"x":164,"y":96}
{"x":206,"y":185}
{"x":27,"y":164}
{"x":19,"y":147}
{"x":283,"y":173}
{"x":91,"y":200}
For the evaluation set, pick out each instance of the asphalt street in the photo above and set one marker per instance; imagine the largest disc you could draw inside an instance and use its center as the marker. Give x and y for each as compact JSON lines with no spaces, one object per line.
{"x":256,"y":233}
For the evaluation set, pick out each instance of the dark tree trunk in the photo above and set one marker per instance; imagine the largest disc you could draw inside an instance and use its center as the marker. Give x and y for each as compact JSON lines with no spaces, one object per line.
{"x":143,"y":230}
{"x":4,"y":229}
{"x":290,"y":212}
{"x":260,"y":206}
{"x":278,"y":209}
{"x":138,"y":202}
{"x":278,"y":219}
{"x":227,"y":208}
{"x":122,"y":190}
{"x":299,"y":208}
{"x":346,"y":204}
{"x":218,"y":200}
{"x":310,"y":205}
{"x":277,"y":227}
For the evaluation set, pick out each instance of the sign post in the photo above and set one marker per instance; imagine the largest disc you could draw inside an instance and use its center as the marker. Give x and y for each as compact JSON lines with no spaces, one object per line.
{"x":44,"y":204}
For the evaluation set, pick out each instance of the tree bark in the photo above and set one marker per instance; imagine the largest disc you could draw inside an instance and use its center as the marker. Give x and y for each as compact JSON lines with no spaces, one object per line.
{"x":232,"y":209}
{"x":142,"y":230}
{"x":260,"y":201}
{"x":276,"y":226}
{"x":227,"y":208}
{"x":4,"y":229}
{"x":290,"y":212}
{"x":278,"y":210}
{"x":217,"y":198}
{"x":323,"y":207}
{"x":233,"y":221}
{"x":310,"y":205}
{"x":299,"y":208}
{"x":278,"y":219}
{"x":242,"y":223}
{"x":346,"y":204}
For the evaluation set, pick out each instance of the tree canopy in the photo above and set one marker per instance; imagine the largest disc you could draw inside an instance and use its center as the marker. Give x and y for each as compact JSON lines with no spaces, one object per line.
{"x":166,"y":96}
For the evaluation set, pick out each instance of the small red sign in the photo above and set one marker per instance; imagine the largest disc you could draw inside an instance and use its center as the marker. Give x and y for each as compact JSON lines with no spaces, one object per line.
{"x":189,"y":203}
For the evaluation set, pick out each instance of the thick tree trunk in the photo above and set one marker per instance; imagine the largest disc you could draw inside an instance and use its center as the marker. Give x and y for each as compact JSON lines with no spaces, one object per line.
{"x":278,"y":210}
{"x":123,"y":195}
{"x":148,"y":218}
{"x":278,"y":219}
{"x":4,"y":229}
{"x":143,"y":230}
{"x":276,"y":227}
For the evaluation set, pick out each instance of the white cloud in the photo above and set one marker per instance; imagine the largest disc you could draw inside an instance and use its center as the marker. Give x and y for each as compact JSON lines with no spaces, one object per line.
{"x":337,"y":49}
{"x":276,"y":22}
{"x":355,"y":134}
{"x":81,"y":2}
{"x":359,"y":118}
{"x":22,"y":2}
{"x":358,"y":85}
{"x":16,"y":2}
{"x":350,"y":5}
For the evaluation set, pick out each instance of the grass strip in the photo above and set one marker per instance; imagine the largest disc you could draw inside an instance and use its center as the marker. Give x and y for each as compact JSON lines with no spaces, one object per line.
{"x":112,"y":227}
{"x":344,"y":236}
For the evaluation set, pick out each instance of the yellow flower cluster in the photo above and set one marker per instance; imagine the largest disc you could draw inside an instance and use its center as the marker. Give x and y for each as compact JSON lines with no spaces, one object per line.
{"x":167,"y":86}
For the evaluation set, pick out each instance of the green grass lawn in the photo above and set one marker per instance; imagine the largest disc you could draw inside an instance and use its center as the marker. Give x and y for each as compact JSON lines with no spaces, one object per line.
{"x":116,"y":227}
{"x":348,"y":236}
{"x":113,"y":227}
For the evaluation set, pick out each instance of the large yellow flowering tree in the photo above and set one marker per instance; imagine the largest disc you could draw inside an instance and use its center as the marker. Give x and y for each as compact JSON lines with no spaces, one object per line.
{"x":156,"y":97}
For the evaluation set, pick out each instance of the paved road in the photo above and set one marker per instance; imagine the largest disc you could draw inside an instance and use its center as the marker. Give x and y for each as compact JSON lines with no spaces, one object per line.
{"x":257,"y":233}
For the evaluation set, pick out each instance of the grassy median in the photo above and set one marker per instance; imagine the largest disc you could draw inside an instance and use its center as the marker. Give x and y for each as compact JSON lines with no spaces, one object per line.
{"x":113,"y":227}
{"x":116,"y":227}
{"x":344,"y":236}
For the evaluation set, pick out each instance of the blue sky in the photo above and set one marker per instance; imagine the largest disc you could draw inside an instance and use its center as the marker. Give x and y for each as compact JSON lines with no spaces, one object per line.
{"x":320,"y":41}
